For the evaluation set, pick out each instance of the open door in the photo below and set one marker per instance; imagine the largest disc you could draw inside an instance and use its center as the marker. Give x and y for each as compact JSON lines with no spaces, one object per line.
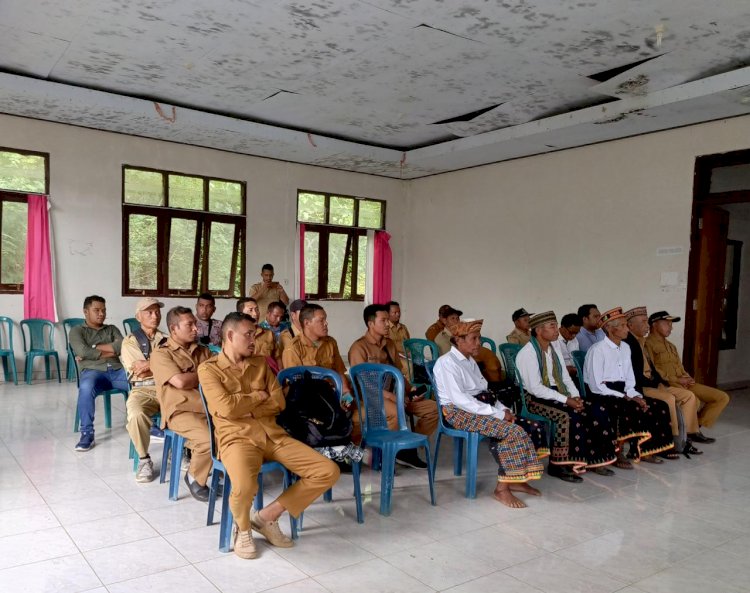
{"x":704,"y":319}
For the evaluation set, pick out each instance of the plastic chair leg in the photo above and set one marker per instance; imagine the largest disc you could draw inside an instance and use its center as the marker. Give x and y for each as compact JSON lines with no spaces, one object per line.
{"x":46,"y":367}
{"x":430,"y":476}
{"x":328,"y":495}
{"x":107,"y":410}
{"x":6,"y":370}
{"x":458,"y":455}
{"x":165,"y":458}
{"x":376,"y":459}
{"x":215,"y":476}
{"x":227,"y":520}
{"x":28,"y":367}
{"x":174,"y":471}
{"x":472,"y":451}
{"x":57,"y":362}
{"x":386,"y":479}
{"x":77,"y":422}
{"x":258,"y":502}
{"x":356,"y":467}
{"x":437,"y":449}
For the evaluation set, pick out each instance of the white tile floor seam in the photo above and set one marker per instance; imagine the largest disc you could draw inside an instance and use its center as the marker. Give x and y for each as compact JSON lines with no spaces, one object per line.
{"x":75,"y":522}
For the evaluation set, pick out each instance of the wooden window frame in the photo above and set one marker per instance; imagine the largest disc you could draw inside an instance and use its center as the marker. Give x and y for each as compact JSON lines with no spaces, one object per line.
{"x":44,"y":155}
{"x":7,"y":196}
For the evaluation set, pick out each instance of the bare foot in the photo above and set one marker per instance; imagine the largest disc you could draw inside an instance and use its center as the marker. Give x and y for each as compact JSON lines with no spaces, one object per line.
{"x":527,"y":488}
{"x":506,"y":497}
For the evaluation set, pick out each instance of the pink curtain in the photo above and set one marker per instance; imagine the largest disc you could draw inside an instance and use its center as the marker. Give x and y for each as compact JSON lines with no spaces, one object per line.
{"x":382,"y":269}
{"x":38,"y":286}
{"x":302,"y":261}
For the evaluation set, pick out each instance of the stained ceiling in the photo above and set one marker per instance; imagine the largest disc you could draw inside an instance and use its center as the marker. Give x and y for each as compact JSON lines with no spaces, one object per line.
{"x":401,"y":88}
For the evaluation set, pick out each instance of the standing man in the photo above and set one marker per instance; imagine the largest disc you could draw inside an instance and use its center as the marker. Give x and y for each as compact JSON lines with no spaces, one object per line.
{"x":570,"y":325}
{"x":521,"y":334}
{"x":97,"y":350}
{"x":175,"y":368}
{"x":398,"y":332}
{"x":267,"y":291}
{"x":668,"y":363}
{"x":247,"y":435}
{"x":142,"y":403}
{"x":591,"y":332}
{"x":209,"y":329}
{"x":447,"y":315}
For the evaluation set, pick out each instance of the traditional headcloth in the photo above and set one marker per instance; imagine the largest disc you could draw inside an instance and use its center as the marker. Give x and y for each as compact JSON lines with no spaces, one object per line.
{"x":635,"y":312}
{"x":611,"y":315}
{"x":542,"y":318}
{"x":464,"y":328}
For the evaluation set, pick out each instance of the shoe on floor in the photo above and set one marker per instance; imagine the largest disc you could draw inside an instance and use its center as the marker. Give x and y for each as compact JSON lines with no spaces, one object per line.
{"x":565,"y":474}
{"x":244,"y":546}
{"x":197,"y":491}
{"x":86,"y":443}
{"x":156,"y":433}
{"x":145,"y":472}
{"x":699,"y":437}
{"x":409,"y":458}
{"x":603,"y":471}
{"x":271,"y":531}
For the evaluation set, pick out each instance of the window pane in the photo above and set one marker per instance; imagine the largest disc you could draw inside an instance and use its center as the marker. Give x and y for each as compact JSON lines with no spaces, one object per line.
{"x":311,"y":208}
{"x":312,"y":257}
{"x":224,"y":196}
{"x":22,"y":172}
{"x":185,"y":192}
{"x":13,"y":242}
{"x":336,"y":254}
{"x":221,"y":249}
{"x":362,"y":265}
{"x":144,"y":187}
{"x":182,"y":253}
{"x":370,"y":215}
{"x":142,"y":258}
{"x":341,"y":211}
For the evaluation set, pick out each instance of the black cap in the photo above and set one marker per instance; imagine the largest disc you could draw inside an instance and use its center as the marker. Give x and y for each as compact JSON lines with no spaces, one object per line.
{"x":447,"y":310}
{"x":518,"y":313}
{"x":297,"y":305}
{"x":662,"y":315}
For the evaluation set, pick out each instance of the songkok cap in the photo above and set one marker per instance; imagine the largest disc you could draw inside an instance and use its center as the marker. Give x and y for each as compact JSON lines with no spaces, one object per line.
{"x":447,"y":311}
{"x":297,"y":305}
{"x":611,"y":315}
{"x":464,"y":328}
{"x":635,"y":312}
{"x":659,"y":315}
{"x":147,"y":302}
{"x":518,"y":313}
{"x":539,"y":319}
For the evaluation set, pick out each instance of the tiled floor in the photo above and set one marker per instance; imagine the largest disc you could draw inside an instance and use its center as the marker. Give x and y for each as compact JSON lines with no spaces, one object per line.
{"x":74,"y":522}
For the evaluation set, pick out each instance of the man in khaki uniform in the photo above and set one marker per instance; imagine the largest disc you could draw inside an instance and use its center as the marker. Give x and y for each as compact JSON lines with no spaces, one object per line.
{"x":265,"y":343}
{"x":268,"y":291}
{"x":244,"y":399}
{"x":175,"y":368}
{"x":295,"y":327}
{"x":521,"y":334}
{"x":447,"y":315}
{"x":667,"y":361}
{"x":142,"y":404}
{"x":398,"y":332}
{"x":376,"y":347}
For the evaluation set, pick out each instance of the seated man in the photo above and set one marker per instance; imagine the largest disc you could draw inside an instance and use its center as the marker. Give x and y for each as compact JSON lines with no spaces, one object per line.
{"x":590,"y":332}
{"x":97,"y":349}
{"x":651,"y":384}
{"x":447,"y":315}
{"x":267,"y":291}
{"x":209,"y":329}
{"x":376,"y":347}
{"x":142,"y":403}
{"x":295,"y":327}
{"x":244,"y":399}
{"x":265,"y":342}
{"x":521,"y":333}
{"x":584,"y":438}
{"x":608,"y":372}
{"x":398,"y":332}
{"x":175,"y":368}
{"x":570,"y":325}
{"x":667,"y":361}
{"x":458,"y":380}
{"x":272,"y":322}
{"x":490,"y":366}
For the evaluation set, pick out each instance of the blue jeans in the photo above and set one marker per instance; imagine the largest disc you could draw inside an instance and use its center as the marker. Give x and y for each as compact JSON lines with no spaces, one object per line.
{"x":91,"y":383}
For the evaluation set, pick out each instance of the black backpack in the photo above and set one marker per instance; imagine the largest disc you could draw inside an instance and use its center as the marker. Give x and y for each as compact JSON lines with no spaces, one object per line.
{"x":313,"y":414}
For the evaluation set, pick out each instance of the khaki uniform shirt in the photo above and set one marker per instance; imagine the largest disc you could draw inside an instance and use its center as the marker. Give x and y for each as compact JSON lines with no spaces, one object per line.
{"x":665,"y":358}
{"x":399,"y":333}
{"x":265,"y":344}
{"x":443,"y":341}
{"x":303,"y":352}
{"x":368,"y":350}
{"x":518,"y":337}
{"x":286,"y":337}
{"x":169,"y":360}
{"x":234,"y":400}
{"x":130,"y":352}
{"x":434,"y":330}
{"x":489,"y":364}
{"x":272,"y":294}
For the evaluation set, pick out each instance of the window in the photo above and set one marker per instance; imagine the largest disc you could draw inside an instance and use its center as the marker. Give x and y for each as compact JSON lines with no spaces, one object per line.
{"x":21,"y":173}
{"x":335,"y":246}
{"x":182,"y":234}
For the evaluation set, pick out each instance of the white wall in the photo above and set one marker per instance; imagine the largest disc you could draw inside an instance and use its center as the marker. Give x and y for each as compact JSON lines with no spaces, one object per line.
{"x":85,"y":190}
{"x":558,"y":230}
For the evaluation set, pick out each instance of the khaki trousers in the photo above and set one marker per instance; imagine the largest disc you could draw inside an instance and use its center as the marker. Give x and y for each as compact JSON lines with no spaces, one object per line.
{"x":141,"y":406}
{"x":195,"y":430}
{"x":243,"y":460}
{"x":673,"y":397}
{"x":714,"y":401}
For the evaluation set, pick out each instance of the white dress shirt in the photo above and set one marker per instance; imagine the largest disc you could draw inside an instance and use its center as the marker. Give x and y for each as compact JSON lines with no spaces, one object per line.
{"x":567,"y":347}
{"x":608,"y":362}
{"x":528,"y":367}
{"x":458,"y":379}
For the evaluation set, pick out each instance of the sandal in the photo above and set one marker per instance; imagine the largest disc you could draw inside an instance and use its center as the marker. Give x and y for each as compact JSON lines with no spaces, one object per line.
{"x":672,"y":455}
{"x":623,"y":463}
{"x":652,"y":459}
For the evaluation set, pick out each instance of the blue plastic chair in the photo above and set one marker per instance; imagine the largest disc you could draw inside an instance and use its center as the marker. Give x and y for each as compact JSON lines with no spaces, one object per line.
{"x":488,"y":343}
{"x":418,"y":351}
{"x":173,"y":445}
{"x":218,"y":470}
{"x":130,"y":325}
{"x":106,"y":396}
{"x":40,"y":342}
{"x":472,"y":440}
{"x":292,"y":374}
{"x":8,"y":354}
{"x":68,"y":324}
{"x":579,"y":357}
{"x":368,"y":381}
{"x":508,"y":353}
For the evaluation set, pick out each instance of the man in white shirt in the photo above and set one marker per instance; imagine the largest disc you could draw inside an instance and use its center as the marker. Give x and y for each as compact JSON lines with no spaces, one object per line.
{"x":570,"y":325}
{"x":458,"y":380}
{"x":583,"y":437}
